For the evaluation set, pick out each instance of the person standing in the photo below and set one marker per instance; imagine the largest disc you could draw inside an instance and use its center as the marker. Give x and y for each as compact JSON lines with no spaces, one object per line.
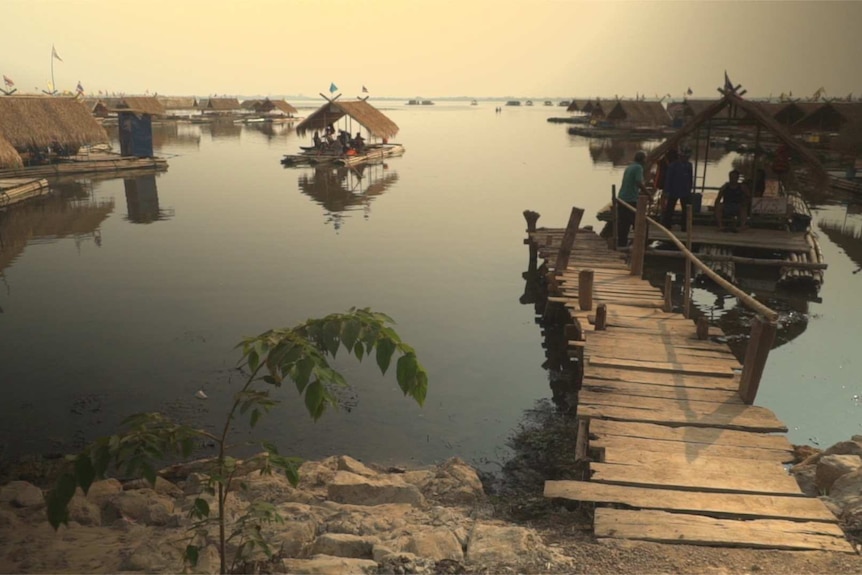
{"x":731,"y":202}
{"x":631,"y":186}
{"x":678,"y":183}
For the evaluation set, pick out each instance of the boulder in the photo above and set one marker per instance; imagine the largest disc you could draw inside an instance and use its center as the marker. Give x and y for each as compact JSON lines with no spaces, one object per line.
{"x":496,"y":544}
{"x":345,"y":463}
{"x":354,"y":489}
{"x":402,"y":563}
{"x":344,"y":545}
{"x":141,"y":506}
{"x":162,"y":487}
{"x":436,"y":544}
{"x":845,"y":448}
{"x":831,"y":467}
{"x":803,"y":452}
{"x":295,"y":537}
{"x":83,"y":511}
{"x":326,"y":565}
{"x":805,"y":478}
{"x":101,"y":491}
{"x":454,"y":483}
{"x":151,"y":557}
{"x":21,"y":494}
{"x":847,"y":487}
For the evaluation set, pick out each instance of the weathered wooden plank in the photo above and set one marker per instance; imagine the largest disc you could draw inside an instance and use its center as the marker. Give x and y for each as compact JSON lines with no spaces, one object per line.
{"x":654,"y":351}
{"x":688,"y":449}
{"x":661,"y":391}
{"x":707,"y":477}
{"x":714,"y":504}
{"x":663,"y":527}
{"x":696,"y":459}
{"x":662,"y":378}
{"x":686,"y":341}
{"x":698,"y":407}
{"x":681,"y":417}
{"x":724,"y":369}
{"x":712,"y":436}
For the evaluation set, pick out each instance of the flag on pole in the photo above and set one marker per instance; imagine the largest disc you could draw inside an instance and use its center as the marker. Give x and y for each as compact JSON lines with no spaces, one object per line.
{"x":689,"y":92}
{"x":8,"y":81}
{"x":80,"y":88}
{"x":332,"y":87}
{"x":364,"y":89}
{"x":54,"y":53}
{"x":728,"y":85}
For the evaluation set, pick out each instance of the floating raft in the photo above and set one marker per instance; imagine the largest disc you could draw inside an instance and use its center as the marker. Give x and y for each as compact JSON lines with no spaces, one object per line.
{"x":83,"y":164}
{"x":373,"y":152}
{"x":16,"y":190}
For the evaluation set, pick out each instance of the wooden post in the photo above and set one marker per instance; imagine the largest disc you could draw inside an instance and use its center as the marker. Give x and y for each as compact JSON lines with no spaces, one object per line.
{"x":614,"y":226}
{"x":585,"y":289}
{"x":531,"y":217}
{"x":760,"y":342}
{"x":639,"y":244}
{"x":602,"y":317}
{"x":568,"y":240}
{"x":686,"y":288}
{"x":668,"y":292}
{"x":702,"y":327}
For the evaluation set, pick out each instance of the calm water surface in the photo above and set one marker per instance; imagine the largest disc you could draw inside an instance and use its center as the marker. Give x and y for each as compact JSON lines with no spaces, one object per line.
{"x":129,"y":294}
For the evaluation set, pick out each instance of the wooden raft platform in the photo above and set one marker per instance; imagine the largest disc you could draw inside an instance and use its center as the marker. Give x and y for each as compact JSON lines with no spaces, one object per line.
{"x":15,"y":190}
{"x":675,"y":455}
{"x":85,"y":164}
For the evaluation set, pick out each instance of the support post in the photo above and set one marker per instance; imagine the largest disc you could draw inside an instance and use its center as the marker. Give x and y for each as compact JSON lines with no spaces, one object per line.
{"x":668,"y":292}
{"x":702,"y":327}
{"x":639,"y":244}
{"x":616,"y":232}
{"x":759,"y":344}
{"x":585,"y":290}
{"x":686,"y":289}
{"x":568,"y":240}
{"x":602,"y":317}
{"x":531,"y":217}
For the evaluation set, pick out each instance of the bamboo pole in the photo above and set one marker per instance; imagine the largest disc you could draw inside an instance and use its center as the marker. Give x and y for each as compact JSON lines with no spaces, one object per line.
{"x":615,"y":234}
{"x":686,"y":289}
{"x":741,"y":260}
{"x":568,"y":240}
{"x":668,"y":292}
{"x":759,"y":344}
{"x":639,"y":244}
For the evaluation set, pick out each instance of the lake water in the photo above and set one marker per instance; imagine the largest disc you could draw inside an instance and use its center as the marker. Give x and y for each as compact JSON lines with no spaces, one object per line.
{"x":129,"y":295}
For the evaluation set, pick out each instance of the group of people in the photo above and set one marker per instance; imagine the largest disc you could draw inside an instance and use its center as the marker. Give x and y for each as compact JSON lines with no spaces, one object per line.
{"x":338,"y":145}
{"x":675,"y":177}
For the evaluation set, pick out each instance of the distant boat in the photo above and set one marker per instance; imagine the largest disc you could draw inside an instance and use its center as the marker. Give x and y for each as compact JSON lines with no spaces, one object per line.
{"x":420,"y":102}
{"x":564,"y":103}
{"x":513,"y":103}
{"x":474,"y":103}
{"x":427,"y":103}
{"x":548,"y":103}
{"x":529,"y":102}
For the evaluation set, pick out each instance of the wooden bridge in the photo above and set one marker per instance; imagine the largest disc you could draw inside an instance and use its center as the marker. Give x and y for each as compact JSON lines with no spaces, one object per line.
{"x":676,"y":452}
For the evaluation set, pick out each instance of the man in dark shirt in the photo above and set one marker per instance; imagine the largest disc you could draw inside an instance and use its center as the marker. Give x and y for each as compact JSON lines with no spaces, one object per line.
{"x":678,"y":181}
{"x":731,"y":202}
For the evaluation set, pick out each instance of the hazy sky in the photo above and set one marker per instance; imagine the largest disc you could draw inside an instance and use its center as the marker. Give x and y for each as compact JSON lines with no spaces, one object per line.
{"x":521,"y":48}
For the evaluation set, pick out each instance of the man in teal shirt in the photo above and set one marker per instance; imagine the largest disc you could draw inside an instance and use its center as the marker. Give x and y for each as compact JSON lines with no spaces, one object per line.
{"x":632,"y":185}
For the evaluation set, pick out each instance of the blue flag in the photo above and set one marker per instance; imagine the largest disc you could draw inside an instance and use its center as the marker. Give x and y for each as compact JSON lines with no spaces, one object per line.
{"x":332,"y":88}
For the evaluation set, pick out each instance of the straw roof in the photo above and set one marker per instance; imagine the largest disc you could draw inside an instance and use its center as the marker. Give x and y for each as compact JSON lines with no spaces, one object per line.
{"x":753,"y":112}
{"x":223,"y":104}
{"x":284,"y":107}
{"x":141,"y":105}
{"x":177,"y":102}
{"x":639,"y":113}
{"x":40,"y":121}
{"x":9,"y":157}
{"x":266,"y":105}
{"x":361,"y":111}
{"x":577,"y":106}
{"x":250,"y":104}
{"x":832,"y":116}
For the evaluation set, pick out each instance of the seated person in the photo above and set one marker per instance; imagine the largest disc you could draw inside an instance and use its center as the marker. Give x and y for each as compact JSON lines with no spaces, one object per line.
{"x":316,"y":140}
{"x":358,"y":142}
{"x":731,"y":202}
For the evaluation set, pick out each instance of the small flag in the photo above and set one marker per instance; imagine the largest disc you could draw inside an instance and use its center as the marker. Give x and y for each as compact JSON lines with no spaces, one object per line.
{"x":80,"y":88}
{"x":54,"y":54}
{"x":728,"y":85}
{"x":689,"y":92}
{"x":8,"y":81}
{"x":364,"y":89}
{"x":332,"y":88}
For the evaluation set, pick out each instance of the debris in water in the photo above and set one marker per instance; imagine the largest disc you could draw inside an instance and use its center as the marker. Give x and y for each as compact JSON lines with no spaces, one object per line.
{"x":200,"y":394}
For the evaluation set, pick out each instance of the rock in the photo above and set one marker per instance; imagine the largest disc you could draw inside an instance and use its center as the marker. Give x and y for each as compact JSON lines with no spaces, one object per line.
{"x":325,"y":565}
{"x":398,"y":563}
{"x":418,"y":477}
{"x":8,"y":519}
{"x":355,"y":489}
{"x":495,"y":544}
{"x":803,"y":452}
{"x":847,"y":487}
{"x":162,"y":487}
{"x":831,"y":467}
{"x":851,"y":516}
{"x":140,"y":505}
{"x":343,"y":545}
{"x":831,"y":505}
{"x":295,"y":537}
{"x":101,"y":491}
{"x":152,"y":557}
{"x":454,"y":483}
{"x":845,"y":448}
{"x":436,"y":545}
{"x":346,"y":463}
{"x":83,"y":511}
{"x":805,"y":478}
{"x":21,"y":494}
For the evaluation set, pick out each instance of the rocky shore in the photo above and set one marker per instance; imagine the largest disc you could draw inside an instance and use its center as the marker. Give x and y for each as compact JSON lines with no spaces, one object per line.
{"x":349,"y":517}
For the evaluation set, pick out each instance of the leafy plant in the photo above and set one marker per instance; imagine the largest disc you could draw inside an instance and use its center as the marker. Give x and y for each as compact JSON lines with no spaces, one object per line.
{"x":298,"y":354}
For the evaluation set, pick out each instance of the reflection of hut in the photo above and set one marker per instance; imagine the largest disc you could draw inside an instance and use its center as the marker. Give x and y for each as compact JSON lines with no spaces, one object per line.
{"x":638,"y":114}
{"x":142,"y":199}
{"x":40,"y":126}
{"x":176,"y":134}
{"x":136,"y":125}
{"x":615,"y":151}
{"x":224,"y":128}
{"x":846,"y":236}
{"x":221,"y":106}
{"x":342,"y":189}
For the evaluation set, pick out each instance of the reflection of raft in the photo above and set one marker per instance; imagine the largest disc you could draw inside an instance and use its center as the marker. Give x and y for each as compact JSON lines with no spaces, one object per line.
{"x":15,"y":190}
{"x":313,"y":156}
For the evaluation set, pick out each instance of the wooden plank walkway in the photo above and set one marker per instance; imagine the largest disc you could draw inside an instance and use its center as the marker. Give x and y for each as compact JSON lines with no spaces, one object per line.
{"x":675,"y":455}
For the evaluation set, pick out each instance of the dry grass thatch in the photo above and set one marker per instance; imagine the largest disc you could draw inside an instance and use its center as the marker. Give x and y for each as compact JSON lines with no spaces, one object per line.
{"x":639,"y":113}
{"x":284,"y":107}
{"x":9,"y":157}
{"x":149,"y":105}
{"x":223,"y":104}
{"x":177,"y":102}
{"x":577,"y":106}
{"x":372,"y":119}
{"x":830,"y":117}
{"x":40,"y":121}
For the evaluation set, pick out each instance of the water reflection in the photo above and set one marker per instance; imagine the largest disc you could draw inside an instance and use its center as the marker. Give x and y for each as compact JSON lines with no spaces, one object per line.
{"x":270,"y":130}
{"x":846,"y":234}
{"x":142,"y":200}
{"x":222,"y":128}
{"x":618,"y":152}
{"x":341,"y":189}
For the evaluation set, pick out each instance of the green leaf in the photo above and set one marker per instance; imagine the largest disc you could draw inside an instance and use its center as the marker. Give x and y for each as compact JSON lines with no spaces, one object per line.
{"x":255,"y":416}
{"x":101,"y":458}
{"x":58,"y":500}
{"x":302,"y":372}
{"x":314,"y":399}
{"x":406,"y":371}
{"x":421,"y":388}
{"x":191,"y":555}
{"x":385,"y":349}
{"x":358,"y":350}
{"x":149,"y":472}
{"x":200,"y":509}
{"x":332,"y":334}
{"x":253,"y":360}
{"x":349,"y":333}
{"x":84,"y":472}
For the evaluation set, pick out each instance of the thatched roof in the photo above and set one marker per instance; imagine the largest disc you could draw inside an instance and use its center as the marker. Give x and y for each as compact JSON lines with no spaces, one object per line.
{"x":9,"y":157}
{"x":223,"y":104}
{"x":149,"y":105}
{"x":266,"y":105}
{"x":754,"y":113}
{"x":577,"y":106}
{"x":177,"y":102}
{"x":692,"y":108}
{"x":40,"y":121}
{"x":830,"y":117}
{"x":361,"y":111}
{"x":284,"y":107}
{"x":250,"y":104}
{"x":638,"y":113}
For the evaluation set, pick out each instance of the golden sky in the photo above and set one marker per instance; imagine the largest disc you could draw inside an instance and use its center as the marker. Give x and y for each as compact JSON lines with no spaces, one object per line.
{"x":406,"y":48}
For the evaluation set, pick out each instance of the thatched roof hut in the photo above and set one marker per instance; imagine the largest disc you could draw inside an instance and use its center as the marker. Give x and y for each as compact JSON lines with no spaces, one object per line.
{"x":222,"y":104}
{"x":9,"y":157}
{"x":638,"y":114}
{"x":369,"y":117}
{"x":148,"y":105}
{"x":591,"y":106}
{"x":830,"y":117}
{"x":267,"y":106}
{"x":177,"y":102}
{"x":577,"y":106}
{"x":40,"y":121}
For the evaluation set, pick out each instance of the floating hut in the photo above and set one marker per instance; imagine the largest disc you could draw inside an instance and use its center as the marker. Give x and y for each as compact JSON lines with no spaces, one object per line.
{"x":640,"y":114}
{"x":179,"y":106}
{"x":830,"y":117}
{"x":220,"y":106}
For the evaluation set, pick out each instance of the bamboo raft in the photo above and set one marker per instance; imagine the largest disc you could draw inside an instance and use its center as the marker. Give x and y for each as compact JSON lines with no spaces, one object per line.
{"x":373,"y":152}
{"x":15,"y":190}
{"x":83,"y":164}
{"x":673,"y":452}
